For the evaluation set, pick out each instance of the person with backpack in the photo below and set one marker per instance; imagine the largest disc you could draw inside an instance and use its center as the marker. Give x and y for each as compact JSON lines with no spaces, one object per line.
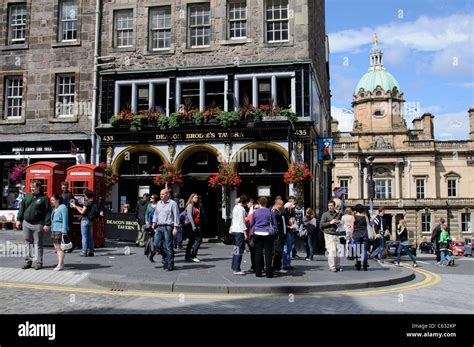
{"x":140,"y":216}
{"x":89,"y":212}
{"x":34,"y":217}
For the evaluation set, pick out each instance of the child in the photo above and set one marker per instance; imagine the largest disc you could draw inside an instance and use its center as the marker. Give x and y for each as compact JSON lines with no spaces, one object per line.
{"x":444,"y":243}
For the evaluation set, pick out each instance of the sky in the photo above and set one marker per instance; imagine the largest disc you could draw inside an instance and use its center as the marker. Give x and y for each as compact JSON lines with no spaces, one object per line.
{"x":428,"y":47}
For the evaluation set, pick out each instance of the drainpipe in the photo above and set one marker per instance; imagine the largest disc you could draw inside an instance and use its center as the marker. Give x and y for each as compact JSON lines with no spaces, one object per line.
{"x":95,"y":143}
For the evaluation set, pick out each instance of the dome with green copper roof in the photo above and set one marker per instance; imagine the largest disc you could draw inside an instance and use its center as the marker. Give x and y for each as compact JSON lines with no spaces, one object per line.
{"x":377,"y":75}
{"x":375,"y":78}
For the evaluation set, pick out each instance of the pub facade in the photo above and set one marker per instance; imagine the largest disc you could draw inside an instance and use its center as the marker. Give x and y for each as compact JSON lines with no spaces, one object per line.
{"x":241,"y":82}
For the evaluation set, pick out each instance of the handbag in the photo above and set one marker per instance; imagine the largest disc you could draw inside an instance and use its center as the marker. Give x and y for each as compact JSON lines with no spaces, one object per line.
{"x":341,"y":230}
{"x":272,"y":230}
{"x":65,"y":242}
{"x":370,"y":232}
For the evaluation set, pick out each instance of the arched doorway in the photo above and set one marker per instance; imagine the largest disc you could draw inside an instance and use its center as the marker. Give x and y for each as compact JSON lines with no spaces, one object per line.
{"x":261,"y":168}
{"x":197,"y":164}
{"x":136,"y":168}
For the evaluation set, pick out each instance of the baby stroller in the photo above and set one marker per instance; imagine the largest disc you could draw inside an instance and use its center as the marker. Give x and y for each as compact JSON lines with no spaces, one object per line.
{"x":448,"y":258}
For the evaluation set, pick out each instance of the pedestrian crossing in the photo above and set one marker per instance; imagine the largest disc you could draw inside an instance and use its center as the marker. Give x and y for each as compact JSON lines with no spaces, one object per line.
{"x":65,"y":278}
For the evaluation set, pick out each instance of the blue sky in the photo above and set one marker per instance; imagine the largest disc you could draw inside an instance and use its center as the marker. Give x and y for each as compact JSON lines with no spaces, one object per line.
{"x":428,"y":47}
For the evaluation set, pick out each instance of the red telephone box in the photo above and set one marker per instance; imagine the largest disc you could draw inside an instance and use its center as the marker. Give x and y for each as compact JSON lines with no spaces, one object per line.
{"x":81,"y":178}
{"x":48,"y":173}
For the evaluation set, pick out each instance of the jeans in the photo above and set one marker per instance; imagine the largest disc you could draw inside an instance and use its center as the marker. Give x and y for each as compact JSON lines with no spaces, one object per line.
{"x":194,"y":242}
{"x":380,"y":248}
{"x":178,"y":240}
{"x":164,"y":241}
{"x":362,"y":247}
{"x":33,"y":234}
{"x":87,"y":239}
{"x":407,"y":251}
{"x":287,"y":249}
{"x":309,"y":243}
{"x":239,"y":248}
{"x":261,"y":243}
{"x":444,"y":257}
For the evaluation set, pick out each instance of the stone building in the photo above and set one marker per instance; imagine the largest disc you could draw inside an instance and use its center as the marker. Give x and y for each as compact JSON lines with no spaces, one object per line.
{"x":417,"y":177}
{"x":184,"y":56}
{"x":46,"y":83}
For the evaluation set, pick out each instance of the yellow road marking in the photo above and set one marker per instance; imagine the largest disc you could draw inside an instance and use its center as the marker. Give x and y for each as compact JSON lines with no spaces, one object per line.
{"x":430,"y":279}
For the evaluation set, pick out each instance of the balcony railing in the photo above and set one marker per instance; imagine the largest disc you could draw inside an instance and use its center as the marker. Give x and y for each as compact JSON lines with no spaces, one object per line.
{"x":346,"y":145}
{"x":452,"y":144}
{"x":420,"y":144}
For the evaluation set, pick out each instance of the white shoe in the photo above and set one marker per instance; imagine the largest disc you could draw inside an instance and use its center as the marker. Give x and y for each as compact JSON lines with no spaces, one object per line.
{"x":239,"y":273}
{"x":58,"y":268}
{"x":196,"y":260}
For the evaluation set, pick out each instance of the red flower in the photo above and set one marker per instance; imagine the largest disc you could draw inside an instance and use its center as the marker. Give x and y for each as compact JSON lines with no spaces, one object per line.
{"x":109,"y":179}
{"x":167,"y":174}
{"x":298,"y":173}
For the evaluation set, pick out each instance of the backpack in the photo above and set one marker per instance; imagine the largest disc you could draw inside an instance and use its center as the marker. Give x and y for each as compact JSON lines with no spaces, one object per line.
{"x":94,"y":212}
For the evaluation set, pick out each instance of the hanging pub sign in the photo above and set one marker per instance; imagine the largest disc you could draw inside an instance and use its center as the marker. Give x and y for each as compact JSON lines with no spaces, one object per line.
{"x":325,"y":150}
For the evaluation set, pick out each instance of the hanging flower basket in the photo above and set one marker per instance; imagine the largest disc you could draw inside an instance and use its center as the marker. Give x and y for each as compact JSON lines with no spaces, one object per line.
{"x":297,"y":173}
{"x":225,"y":178}
{"x":168,"y":175}
{"x":109,"y":179}
{"x":18,"y":173}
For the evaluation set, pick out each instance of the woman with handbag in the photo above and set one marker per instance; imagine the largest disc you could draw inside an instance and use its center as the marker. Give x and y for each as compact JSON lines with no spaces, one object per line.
{"x":402,"y":238}
{"x":263,"y":238}
{"x":59,"y":228}
{"x":238,"y":229}
{"x":360,"y":235}
{"x":309,"y":224}
{"x":194,"y":229}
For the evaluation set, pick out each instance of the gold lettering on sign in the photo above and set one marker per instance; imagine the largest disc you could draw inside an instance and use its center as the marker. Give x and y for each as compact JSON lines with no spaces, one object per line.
{"x":160,"y":137}
{"x":108,"y":138}
{"x":301,"y":132}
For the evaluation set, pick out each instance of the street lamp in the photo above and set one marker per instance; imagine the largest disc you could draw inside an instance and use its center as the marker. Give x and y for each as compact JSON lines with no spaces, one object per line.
{"x":370,"y":181}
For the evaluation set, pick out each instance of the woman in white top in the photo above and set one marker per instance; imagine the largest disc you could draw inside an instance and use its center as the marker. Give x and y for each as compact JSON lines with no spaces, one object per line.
{"x":348,"y":221}
{"x":238,"y":228}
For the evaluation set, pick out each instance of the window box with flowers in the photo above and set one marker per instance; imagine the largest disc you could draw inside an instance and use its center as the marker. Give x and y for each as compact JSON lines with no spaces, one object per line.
{"x":123,"y":120}
{"x":226,"y":177}
{"x":109,"y":179}
{"x":168,"y":175}
{"x":149,"y":119}
{"x":265,"y":113}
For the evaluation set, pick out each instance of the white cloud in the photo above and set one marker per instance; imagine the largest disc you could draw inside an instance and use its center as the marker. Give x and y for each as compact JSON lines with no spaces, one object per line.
{"x":452,"y":126}
{"x":461,"y":84}
{"x":344,"y":117}
{"x":424,"y":34}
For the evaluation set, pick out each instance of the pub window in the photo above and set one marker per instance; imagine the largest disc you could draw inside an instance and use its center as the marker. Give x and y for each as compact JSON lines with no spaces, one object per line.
{"x":143,"y":98}
{"x":214,"y":94}
{"x":124,"y":28}
{"x":160,"y":28}
{"x":190,"y":94}
{"x":65,"y":95}
{"x":125,"y":102}
{"x":237,"y":14}
{"x":13,"y":97}
{"x":264,"y":92}
{"x":277,"y":20}
{"x":160,"y":98}
{"x":68,"y":21}
{"x":17,"y":17}
{"x":199,"y":25}
{"x":245,"y":92}
{"x":284,"y":92}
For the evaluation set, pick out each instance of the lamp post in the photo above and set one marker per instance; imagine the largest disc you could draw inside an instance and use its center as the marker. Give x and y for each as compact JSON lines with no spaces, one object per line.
{"x":370,"y":181}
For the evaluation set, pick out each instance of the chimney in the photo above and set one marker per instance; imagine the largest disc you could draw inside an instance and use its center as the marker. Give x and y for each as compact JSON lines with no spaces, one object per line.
{"x":416,"y":123}
{"x":471,"y":124}
{"x":428,"y":129}
{"x":334,"y":126}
